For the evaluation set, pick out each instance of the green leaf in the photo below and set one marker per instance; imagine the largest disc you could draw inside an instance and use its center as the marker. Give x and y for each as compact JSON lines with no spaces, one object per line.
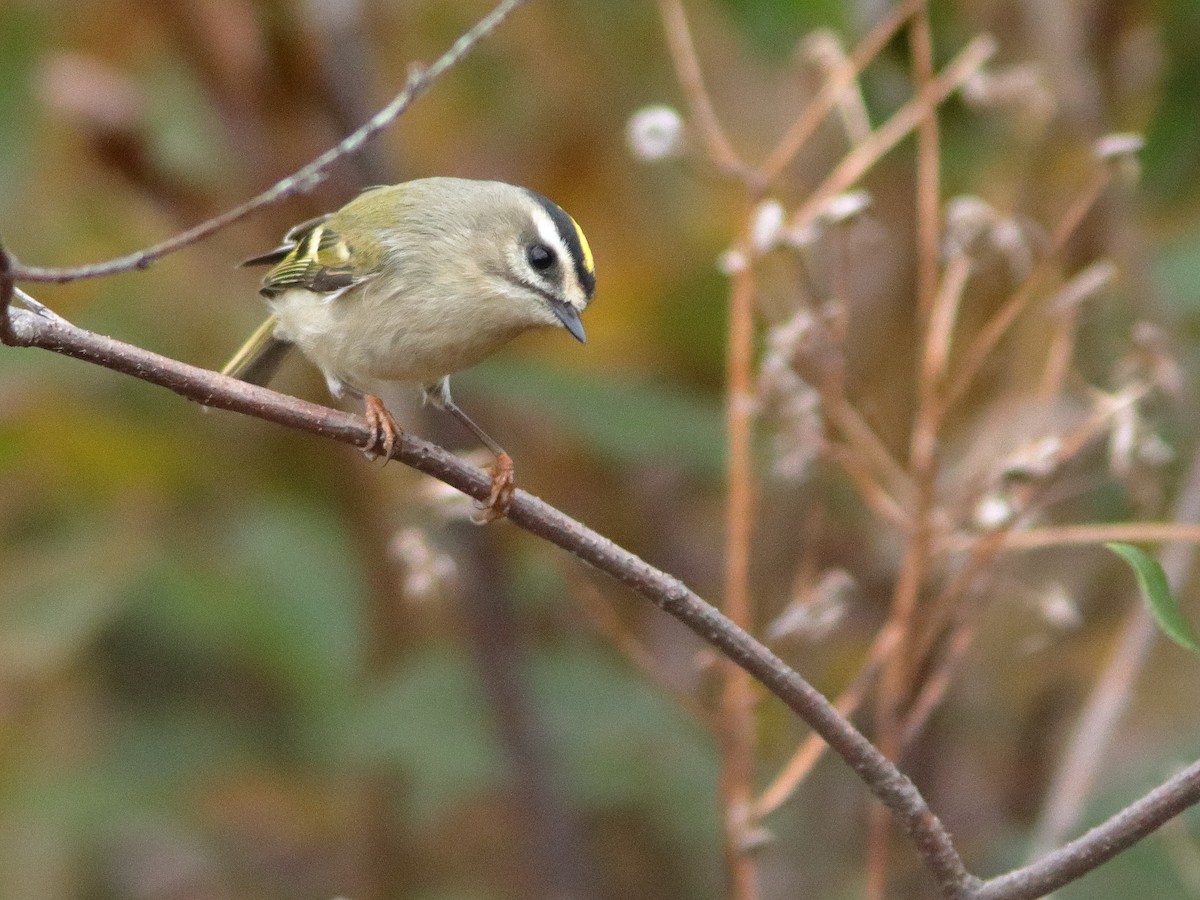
{"x":1153,"y":584}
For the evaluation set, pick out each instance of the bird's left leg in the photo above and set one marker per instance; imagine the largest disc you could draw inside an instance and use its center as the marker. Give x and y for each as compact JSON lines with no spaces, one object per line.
{"x":502,"y":471}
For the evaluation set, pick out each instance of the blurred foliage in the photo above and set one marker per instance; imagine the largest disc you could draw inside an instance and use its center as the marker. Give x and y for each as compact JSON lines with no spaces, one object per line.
{"x":221,"y":677}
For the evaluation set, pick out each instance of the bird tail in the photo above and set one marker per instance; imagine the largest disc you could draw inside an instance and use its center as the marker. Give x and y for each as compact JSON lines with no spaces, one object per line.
{"x":260,"y":357}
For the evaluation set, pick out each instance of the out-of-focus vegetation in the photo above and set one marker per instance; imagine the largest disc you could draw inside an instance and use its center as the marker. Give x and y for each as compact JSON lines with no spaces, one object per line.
{"x":240,"y":662}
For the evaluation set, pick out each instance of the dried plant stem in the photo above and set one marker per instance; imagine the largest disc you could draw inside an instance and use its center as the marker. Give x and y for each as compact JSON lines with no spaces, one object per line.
{"x":737,"y":696}
{"x":1079,"y":766}
{"x":860,"y":159}
{"x":784,"y":785}
{"x":898,"y":672}
{"x":1089,"y":535}
{"x":691,"y":80}
{"x":987,"y":339}
{"x":820,"y":106}
{"x":882,"y":503}
{"x":862,"y":441}
{"x":1063,"y":333}
{"x":1099,"y":845}
{"x":928,"y":202}
{"x":300,"y":182}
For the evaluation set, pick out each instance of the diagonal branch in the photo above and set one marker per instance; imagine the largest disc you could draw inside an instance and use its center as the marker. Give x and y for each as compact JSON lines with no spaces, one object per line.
{"x":300,"y":182}
{"x":1099,"y":845}
{"x":885,"y":781}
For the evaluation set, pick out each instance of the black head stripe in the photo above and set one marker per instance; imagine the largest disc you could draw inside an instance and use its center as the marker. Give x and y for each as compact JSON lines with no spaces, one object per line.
{"x":573,"y":239}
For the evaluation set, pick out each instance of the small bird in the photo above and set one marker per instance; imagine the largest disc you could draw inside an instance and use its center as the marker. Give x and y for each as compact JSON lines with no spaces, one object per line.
{"x":413,"y":282}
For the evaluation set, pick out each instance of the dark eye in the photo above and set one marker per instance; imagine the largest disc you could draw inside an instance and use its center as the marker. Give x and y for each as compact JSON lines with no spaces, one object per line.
{"x":540,"y":257}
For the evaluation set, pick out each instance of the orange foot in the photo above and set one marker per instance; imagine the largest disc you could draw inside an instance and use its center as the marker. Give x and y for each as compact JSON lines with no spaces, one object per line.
{"x":500,"y":499}
{"x":386,"y":434}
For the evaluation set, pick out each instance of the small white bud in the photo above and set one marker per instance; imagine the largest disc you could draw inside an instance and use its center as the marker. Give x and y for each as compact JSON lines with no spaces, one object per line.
{"x":818,"y":611}
{"x":846,"y":206}
{"x":1009,"y":239}
{"x":655,"y":133}
{"x":1113,"y":146}
{"x":992,"y":511}
{"x":1058,"y":609}
{"x":967,"y":217}
{"x":766,"y":225}
{"x":1034,"y":460}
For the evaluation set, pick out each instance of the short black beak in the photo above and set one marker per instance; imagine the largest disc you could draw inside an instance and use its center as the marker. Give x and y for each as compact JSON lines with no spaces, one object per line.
{"x":569,"y":316}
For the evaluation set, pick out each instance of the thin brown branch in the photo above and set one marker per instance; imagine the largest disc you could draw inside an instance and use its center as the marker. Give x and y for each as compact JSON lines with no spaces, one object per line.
{"x":784,"y":785}
{"x":1084,"y":535}
{"x":858,"y":161}
{"x":928,"y":166}
{"x":882,"y":778}
{"x":300,"y":182}
{"x":691,"y":80}
{"x":1079,"y":766}
{"x":1099,"y":845}
{"x":987,"y":339}
{"x":737,"y":696}
{"x":827,"y":98}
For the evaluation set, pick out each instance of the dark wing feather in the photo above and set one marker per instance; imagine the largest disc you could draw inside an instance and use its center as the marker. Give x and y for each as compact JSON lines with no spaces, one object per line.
{"x":290,"y":240}
{"x":312,"y":256}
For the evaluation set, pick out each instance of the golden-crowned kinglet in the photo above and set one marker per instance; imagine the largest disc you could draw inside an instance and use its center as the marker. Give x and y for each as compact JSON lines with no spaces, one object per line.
{"x":413,"y":282}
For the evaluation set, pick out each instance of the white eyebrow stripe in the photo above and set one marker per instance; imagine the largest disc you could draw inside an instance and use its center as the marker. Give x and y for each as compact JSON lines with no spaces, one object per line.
{"x":548,"y":232}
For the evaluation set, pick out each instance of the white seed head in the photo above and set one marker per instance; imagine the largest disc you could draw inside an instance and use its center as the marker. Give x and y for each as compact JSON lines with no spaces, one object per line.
{"x":766,"y":225}
{"x":1114,"y":146}
{"x":426,"y":570}
{"x":1009,"y":239}
{"x":992,"y":511}
{"x":1058,"y":608}
{"x":846,"y":206}
{"x":967,"y":218}
{"x":1034,"y":460}
{"x":818,"y":611}
{"x":655,"y":133}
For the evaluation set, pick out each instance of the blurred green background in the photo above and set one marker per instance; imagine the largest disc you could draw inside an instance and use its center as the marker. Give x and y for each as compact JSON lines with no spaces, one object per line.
{"x":240,"y":662}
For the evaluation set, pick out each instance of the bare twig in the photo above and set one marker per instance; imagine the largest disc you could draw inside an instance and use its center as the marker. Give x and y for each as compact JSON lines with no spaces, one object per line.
{"x":882,"y":778}
{"x":987,"y":339}
{"x":784,"y":785}
{"x":737,"y":696}
{"x":928,"y":166}
{"x":300,"y":182}
{"x":1080,"y":763}
{"x":1099,"y":845}
{"x":691,"y":79}
{"x":858,"y":161}
{"x":827,"y":98}
{"x":1085,"y":535}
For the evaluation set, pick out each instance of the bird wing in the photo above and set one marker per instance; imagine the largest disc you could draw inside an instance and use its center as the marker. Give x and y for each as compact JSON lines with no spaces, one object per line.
{"x":312,"y":256}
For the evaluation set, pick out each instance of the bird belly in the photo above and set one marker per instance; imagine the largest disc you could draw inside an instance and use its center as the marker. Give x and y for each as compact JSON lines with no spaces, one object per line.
{"x":361,"y":340}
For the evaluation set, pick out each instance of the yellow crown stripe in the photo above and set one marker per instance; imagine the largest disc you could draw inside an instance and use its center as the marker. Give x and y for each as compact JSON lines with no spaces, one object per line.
{"x":588,"y":262}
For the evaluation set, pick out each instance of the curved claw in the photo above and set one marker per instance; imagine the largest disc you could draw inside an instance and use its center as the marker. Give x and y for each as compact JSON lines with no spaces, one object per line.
{"x":500,"y":499}
{"x":386,"y":433}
